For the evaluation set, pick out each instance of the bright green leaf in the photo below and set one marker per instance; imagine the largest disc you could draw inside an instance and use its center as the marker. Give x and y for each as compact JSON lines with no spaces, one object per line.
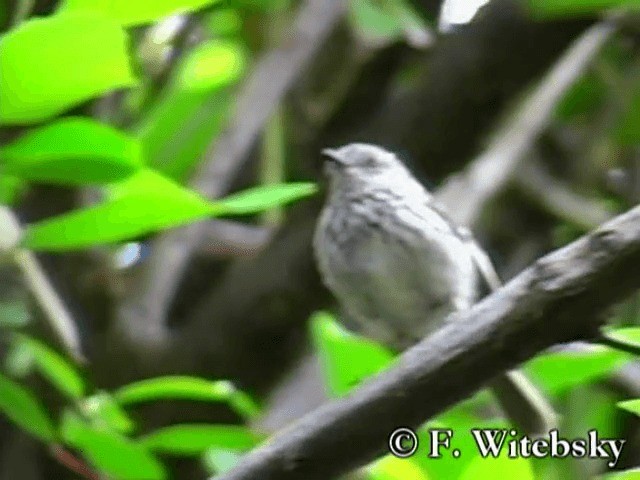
{"x":103,"y":410}
{"x":560,"y":371}
{"x":224,"y":22}
{"x":627,"y":335}
{"x":144,"y":203}
{"x":632,"y":406}
{"x":449,"y":466}
{"x":392,"y":468}
{"x":501,"y":467}
{"x":111,"y":453}
{"x":195,"y":439}
{"x":259,"y":199}
{"x":51,"y":64}
{"x":173,"y":135}
{"x":347,"y":359}
{"x":218,"y":460}
{"x":134,"y":12}
{"x":572,"y":8}
{"x":624,"y":475}
{"x":53,"y":367}
{"x":187,"y":388}
{"x":212,"y":65}
{"x":72,"y":151}
{"x":25,"y":410}
{"x":10,"y":189}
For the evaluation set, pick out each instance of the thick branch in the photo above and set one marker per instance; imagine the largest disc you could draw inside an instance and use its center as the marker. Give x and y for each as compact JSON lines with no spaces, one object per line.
{"x":560,"y":298}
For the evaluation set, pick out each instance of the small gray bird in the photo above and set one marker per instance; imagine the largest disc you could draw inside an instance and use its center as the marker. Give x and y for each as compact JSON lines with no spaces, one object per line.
{"x":399,"y":266}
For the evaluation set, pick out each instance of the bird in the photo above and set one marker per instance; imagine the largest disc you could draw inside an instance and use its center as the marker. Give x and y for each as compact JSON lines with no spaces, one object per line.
{"x":399,"y":266}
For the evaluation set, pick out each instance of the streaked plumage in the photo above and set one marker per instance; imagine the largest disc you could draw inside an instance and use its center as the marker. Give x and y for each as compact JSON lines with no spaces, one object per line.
{"x":399,"y":266}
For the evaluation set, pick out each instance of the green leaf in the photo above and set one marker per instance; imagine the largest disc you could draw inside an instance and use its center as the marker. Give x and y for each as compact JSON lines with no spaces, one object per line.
{"x":53,"y":367}
{"x":72,"y":151}
{"x":83,"y":57}
{"x":392,"y":468}
{"x":347,"y":359}
{"x":111,"y":453}
{"x":24,"y":409}
{"x":373,"y":22}
{"x":14,"y":314}
{"x":560,"y":8}
{"x":138,"y":12}
{"x":632,"y":406}
{"x":212,"y":65}
{"x":196,"y":438}
{"x":173,"y":135}
{"x":103,"y":410}
{"x":501,"y":467}
{"x":560,"y":371}
{"x":448,"y":466}
{"x":224,"y":22}
{"x":259,"y":199}
{"x":633,"y":474}
{"x":188,"y":388}
{"x":218,"y":461}
{"x":10,"y":189}
{"x":583,"y":98}
{"x":627,"y":129}
{"x":144,"y":203}
{"x":627,"y":335}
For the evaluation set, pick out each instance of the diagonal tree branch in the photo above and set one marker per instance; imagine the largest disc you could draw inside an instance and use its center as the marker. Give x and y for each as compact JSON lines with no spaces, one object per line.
{"x":562,"y":297}
{"x":490,"y":171}
{"x":557,"y":197}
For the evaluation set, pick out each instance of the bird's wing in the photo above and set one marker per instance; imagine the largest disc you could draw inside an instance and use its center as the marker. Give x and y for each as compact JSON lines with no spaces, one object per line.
{"x":482,"y":261}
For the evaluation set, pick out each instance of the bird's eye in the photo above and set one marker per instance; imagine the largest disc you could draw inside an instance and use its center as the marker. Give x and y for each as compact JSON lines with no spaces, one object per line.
{"x":370,"y":162}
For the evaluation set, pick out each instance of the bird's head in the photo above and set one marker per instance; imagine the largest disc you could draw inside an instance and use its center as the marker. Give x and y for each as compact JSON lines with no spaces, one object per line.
{"x":361,"y":164}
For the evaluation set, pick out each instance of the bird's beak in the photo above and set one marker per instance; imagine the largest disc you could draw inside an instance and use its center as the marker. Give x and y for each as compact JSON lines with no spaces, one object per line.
{"x":333,"y":162}
{"x":332,"y":154}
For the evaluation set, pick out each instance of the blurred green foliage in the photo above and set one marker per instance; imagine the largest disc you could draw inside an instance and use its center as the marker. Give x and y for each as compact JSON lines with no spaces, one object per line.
{"x":129,"y":13}
{"x":84,"y":56}
{"x":52,"y":153}
{"x":99,"y":426}
{"x":560,"y":8}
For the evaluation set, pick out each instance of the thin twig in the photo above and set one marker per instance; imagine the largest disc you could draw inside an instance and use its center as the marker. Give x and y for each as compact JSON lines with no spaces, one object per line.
{"x":73,"y":463}
{"x":560,"y":298}
{"x":490,"y":171}
{"x":558,"y":198}
{"x":51,"y":304}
